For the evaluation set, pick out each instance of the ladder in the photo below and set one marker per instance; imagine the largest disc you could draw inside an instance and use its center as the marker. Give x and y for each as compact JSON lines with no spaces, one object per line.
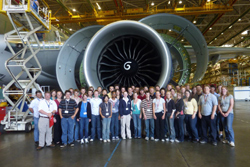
{"x":26,"y":22}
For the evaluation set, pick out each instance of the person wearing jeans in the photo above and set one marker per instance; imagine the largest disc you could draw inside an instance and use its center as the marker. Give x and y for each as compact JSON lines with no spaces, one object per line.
{"x":170,"y":116}
{"x":77,"y":126}
{"x":125,"y":113}
{"x":136,"y":115}
{"x":179,"y":105}
{"x":207,"y":107}
{"x":84,"y":117}
{"x":159,"y":111}
{"x":95,"y":116}
{"x":115,"y":114}
{"x":190,"y":109}
{"x":226,"y":104}
{"x":34,"y":109}
{"x":105,"y":110}
{"x":67,"y":112}
{"x":147,"y":110}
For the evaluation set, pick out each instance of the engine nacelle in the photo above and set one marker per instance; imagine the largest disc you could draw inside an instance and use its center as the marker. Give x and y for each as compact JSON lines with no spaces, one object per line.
{"x":127,"y":53}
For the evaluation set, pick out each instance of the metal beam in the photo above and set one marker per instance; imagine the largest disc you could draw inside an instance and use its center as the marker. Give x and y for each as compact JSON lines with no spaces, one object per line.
{"x":216,"y":18}
{"x":243,"y":40}
{"x":242,"y":30}
{"x":235,"y":21}
{"x":176,"y":11}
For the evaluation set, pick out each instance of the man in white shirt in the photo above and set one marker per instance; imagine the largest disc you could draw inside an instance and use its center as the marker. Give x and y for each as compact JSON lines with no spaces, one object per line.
{"x":95,"y":117}
{"x":46,"y":109}
{"x":34,"y":109}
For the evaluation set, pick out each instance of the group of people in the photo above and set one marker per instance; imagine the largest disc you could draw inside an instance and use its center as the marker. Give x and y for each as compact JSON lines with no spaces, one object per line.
{"x":171,"y":114}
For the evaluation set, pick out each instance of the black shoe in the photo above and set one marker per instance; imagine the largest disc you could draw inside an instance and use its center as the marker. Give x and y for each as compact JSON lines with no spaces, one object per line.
{"x":72,"y":144}
{"x":39,"y":148}
{"x":36,"y":143}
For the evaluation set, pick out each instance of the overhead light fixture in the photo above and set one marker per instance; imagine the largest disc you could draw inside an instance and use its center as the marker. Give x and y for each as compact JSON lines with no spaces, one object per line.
{"x":169,"y":2}
{"x":222,"y":33}
{"x":74,"y":10}
{"x":245,"y":32}
{"x":194,"y":21}
{"x":215,"y":38}
{"x":208,"y":0}
{"x":170,"y":30}
{"x":239,"y":19}
{"x":70,"y":29}
{"x":210,"y":28}
{"x":99,"y":7}
{"x":180,"y":2}
{"x":152,"y":4}
{"x":230,"y":27}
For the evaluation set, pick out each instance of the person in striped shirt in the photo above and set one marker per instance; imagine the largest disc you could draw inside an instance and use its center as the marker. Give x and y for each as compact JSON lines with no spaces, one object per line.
{"x":147,"y":110}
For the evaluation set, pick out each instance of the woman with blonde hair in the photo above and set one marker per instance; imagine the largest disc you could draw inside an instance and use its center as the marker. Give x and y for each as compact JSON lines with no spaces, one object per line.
{"x":225,"y":106}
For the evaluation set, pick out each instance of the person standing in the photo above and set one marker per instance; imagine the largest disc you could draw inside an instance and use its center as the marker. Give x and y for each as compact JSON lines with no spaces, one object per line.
{"x":170,"y":116}
{"x":226,"y":104}
{"x":84,"y":117}
{"x":46,"y":109}
{"x":173,"y":94}
{"x":34,"y":109}
{"x":90,"y":94}
{"x":57,"y":124}
{"x":67,"y":112}
{"x":111,"y":89}
{"x":152,"y":92}
{"x":115,"y":114}
{"x":130,"y":93}
{"x":83,"y":91}
{"x":77,"y":126}
{"x":179,"y":105}
{"x":207,"y":108}
{"x":159,"y":111}
{"x":95,"y":117}
{"x":142,"y":95}
{"x":125,"y":113}
{"x":147,"y":110}
{"x":163,"y":93}
{"x":136,"y":115}
{"x":53,"y":95}
{"x":118,"y":94}
{"x":190,"y":110}
{"x":105,"y":110}
{"x":197,"y":97}
{"x":99,"y":89}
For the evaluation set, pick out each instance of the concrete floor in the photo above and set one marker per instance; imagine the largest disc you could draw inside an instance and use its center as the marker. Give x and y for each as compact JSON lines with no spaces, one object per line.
{"x":18,"y":149}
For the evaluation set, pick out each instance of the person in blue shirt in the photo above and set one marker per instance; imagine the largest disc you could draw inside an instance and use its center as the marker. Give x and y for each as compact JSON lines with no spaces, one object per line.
{"x":34,"y":4}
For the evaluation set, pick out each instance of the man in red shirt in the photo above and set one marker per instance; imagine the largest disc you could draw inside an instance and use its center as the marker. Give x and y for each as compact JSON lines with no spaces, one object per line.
{"x":142,"y":95}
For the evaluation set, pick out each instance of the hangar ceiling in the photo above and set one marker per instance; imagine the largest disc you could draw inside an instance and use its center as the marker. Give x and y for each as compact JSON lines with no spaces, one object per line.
{"x":222,"y":22}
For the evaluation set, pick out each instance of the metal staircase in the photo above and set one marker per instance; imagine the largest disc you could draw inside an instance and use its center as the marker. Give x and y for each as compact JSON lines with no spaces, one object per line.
{"x":26,"y":22}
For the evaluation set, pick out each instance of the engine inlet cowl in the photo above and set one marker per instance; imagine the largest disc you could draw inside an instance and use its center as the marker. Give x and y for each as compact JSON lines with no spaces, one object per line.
{"x":127,"y":53}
